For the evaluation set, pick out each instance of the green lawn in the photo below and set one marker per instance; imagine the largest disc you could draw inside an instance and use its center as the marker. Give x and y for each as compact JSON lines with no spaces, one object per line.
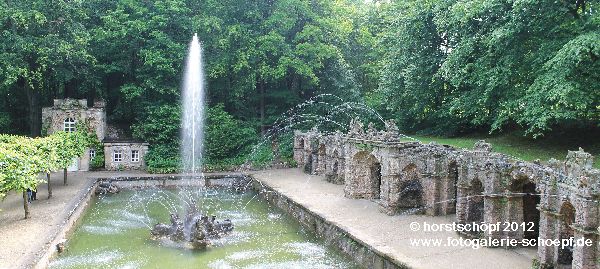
{"x":526,"y":148}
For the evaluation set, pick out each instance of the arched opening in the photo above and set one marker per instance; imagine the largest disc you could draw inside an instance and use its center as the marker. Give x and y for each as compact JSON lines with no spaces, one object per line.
{"x":530,"y":212}
{"x":335,"y":163}
{"x":567,"y":218}
{"x":376,"y":179}
{"x":308,"y":164}
{"x":410,"y":189}
{"x":475,"y":203}
{"x":334,"y":167}
{"x":321,"y":162}
{"x":452,"y":187}
{"x":367,"y":174}
{"x":530,"y":199}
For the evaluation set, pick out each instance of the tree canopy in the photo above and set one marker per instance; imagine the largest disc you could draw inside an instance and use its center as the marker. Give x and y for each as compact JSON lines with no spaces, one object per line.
{"x":457,"y":65}
{"x":437,"y":66}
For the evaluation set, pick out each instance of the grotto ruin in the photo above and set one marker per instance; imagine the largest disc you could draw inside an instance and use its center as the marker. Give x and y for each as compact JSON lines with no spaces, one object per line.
{"x":561,"y":198}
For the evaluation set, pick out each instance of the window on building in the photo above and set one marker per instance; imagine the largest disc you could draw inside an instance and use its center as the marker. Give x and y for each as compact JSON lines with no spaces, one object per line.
{"x":135,"y":156}
{"x":69,"y":125}
{"x":92,"y":154}
{"x":117,"y":156}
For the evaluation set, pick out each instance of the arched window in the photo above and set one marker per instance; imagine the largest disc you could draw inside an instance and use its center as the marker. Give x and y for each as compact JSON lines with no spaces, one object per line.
{"x":69,"y":125}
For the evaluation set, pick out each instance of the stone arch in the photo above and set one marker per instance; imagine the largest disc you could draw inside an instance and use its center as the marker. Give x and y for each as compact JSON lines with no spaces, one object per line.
{"x":410,"y":188}
{"x":566,"y":220}
{"x":367,"y":175}
{"x":475,"y":203}
{"x":525,"y":204}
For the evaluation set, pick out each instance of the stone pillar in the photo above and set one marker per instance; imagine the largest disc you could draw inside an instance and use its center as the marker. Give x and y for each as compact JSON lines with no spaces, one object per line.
{"x":492,"y":213}
{"x":548,"y":230}
{"x":341,"y":173}
{"x":449,"y":190}
{"x":322,"y":164}
{"x":445,"y":195}
{"x":461,"y":203}
{"x":514,"y":214}
{"x":299,"y":149}
{"x":389,"y":193}
{"x":315,"y":164}
{"x":348,"y":172}
{"x":586,"y":228}
{"x":430,"y":184}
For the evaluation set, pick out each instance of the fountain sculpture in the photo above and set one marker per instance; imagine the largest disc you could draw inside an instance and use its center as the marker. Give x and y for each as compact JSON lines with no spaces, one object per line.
{"x":197,"y":229}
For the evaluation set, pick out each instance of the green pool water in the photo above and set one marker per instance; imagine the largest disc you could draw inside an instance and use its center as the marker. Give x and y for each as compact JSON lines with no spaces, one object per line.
{"x":114,"y":233}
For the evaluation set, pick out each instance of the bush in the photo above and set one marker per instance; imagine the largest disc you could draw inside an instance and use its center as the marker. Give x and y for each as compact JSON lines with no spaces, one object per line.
{"x":226,"y":137}
{"x":261,"y":156}
{"x":159,"y":125}
{"x":162,"y":159}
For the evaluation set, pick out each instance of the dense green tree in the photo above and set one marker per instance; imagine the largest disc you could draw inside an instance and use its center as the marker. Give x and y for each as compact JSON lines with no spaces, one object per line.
{"x":410,"y":84}
{"x":455,"y":66}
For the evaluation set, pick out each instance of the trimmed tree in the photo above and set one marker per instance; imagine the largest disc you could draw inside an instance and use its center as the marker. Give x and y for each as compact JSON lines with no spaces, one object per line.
{"x":19,"y":167}
{"x":72,"y":145}
{"x":48,"y":147}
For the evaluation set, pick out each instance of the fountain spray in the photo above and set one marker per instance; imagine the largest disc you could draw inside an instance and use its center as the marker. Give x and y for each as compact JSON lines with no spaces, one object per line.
{"x":192,"y":98}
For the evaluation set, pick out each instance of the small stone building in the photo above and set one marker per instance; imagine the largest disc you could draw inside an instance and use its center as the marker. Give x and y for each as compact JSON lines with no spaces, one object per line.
{"x":69,"y":114}
{"x":124,"y":155}
{"x":557,"y":200}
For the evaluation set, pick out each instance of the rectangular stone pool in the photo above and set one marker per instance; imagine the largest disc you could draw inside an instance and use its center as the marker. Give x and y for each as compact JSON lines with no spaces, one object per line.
{"x":115,"y":233}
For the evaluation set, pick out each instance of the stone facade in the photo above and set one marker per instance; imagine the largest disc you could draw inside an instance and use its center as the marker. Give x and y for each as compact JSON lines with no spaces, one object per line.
{"x":70,"y":114}
{"x":122,"y":155}
{"x":559,"y":199}
{"x":93,"y":118}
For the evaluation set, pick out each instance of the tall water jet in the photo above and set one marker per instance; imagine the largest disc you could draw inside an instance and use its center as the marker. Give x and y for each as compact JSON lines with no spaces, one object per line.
{"x":192,"y":99}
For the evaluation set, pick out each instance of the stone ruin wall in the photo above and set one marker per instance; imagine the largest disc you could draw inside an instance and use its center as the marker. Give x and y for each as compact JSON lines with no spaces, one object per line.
{"x":476,"y":185}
